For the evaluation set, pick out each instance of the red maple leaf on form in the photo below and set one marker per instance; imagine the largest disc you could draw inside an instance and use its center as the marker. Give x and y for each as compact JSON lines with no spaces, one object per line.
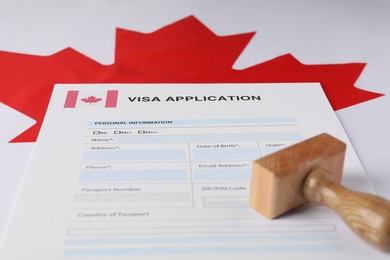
{"x":183,"y":52}
{"x":91,"y":99}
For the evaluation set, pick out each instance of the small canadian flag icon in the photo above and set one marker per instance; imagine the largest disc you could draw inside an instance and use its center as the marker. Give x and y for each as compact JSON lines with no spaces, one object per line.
{"x":72,"y":98}
{"x":91,"y":99}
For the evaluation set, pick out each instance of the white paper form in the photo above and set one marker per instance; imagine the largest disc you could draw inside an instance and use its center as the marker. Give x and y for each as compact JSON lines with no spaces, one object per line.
{"x":127,"y":171}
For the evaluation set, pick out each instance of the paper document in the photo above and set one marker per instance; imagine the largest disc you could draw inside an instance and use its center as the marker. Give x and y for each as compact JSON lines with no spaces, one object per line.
{"x":162,"y":171}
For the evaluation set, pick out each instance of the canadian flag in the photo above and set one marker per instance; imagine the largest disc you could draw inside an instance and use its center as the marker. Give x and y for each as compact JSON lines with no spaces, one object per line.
{"x":72,"y":99}
{"x":185,"y":51}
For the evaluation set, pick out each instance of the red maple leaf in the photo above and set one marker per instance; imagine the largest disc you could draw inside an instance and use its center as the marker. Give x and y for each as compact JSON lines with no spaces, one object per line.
{"x":91,"y":99}
{"x":183,"y":52}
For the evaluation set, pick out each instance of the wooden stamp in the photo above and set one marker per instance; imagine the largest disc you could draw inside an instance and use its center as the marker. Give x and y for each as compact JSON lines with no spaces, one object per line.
{"x":311,"y":171}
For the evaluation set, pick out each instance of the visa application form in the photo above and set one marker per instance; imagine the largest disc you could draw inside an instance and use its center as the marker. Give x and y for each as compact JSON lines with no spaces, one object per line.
{"x":162,"y":171}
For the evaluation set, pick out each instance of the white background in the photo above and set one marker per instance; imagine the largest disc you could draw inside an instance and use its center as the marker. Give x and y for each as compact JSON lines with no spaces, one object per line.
{"x":313,"y":31}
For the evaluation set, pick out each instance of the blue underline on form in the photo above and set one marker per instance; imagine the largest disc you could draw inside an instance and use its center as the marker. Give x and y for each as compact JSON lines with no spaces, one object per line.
{"x":195,"y":122}
{"x":208,"y":138}
{"x":330,"y":242}
{"x":225,"y":154}
{"x":235,"y":121}
{"x":228,"y":249}
{"x":240,"y":174}
{"x":203,"y":239}
{"x":133,"y":175}
{"x":136,"y":155}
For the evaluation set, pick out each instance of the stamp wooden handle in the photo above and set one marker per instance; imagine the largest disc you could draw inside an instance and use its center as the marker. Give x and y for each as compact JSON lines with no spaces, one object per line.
{"x":367,"y":215}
